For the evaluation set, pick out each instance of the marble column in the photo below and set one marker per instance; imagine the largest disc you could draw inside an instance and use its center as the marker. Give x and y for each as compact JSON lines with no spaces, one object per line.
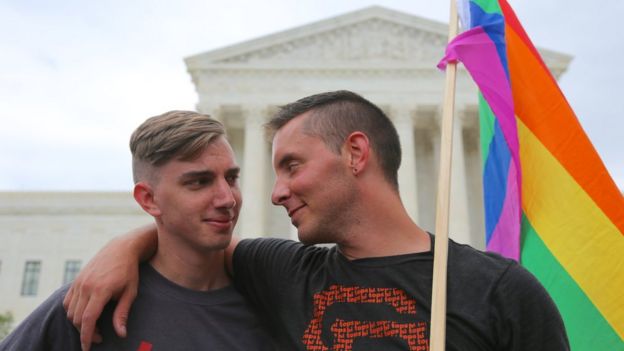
{"x":459,"y":226}
{"x":404,"y":123}
{"x":255,"y":160}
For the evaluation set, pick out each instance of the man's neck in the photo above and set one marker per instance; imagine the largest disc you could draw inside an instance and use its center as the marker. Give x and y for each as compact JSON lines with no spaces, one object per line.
{"x":384,"y":228}
{"x":388,"y":241}
{"x":200,"y":272}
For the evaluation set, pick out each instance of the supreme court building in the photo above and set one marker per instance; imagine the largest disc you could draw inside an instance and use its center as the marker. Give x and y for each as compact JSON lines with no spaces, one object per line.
{"x":389,"y":57}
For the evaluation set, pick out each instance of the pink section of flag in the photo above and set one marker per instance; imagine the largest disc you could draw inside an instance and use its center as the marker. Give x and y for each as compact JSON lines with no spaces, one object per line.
{"x":506,"y":236}
{"x":479,"y":54}
{"x":477,"y":51}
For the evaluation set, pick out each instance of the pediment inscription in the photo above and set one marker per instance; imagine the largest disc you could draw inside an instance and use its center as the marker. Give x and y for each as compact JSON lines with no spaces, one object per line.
{"x":374,"y":39}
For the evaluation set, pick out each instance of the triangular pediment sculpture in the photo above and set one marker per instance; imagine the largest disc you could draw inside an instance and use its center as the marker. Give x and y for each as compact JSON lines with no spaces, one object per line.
{"x":371,"y":38}
{"x":368,"y":36}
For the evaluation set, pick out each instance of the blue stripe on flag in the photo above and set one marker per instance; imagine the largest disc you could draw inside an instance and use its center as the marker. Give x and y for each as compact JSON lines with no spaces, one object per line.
{"x":495,"y":171}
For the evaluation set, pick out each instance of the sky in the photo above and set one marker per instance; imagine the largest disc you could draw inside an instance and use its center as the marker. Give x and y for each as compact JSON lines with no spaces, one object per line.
{"x":76,"y":77}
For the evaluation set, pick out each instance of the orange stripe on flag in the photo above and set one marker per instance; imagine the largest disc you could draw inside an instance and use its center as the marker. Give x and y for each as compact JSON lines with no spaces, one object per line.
{"x":512,"y":21}
{"x":541,"y":106}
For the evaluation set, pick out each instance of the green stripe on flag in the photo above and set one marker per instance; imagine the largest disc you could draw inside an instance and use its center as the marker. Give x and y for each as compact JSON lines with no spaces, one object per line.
{"x":489,"y":6}
{"x":486,"y":125}
{"x":586,"y":327}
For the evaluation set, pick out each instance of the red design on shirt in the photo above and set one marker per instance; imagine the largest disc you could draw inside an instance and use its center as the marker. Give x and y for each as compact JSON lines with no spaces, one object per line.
{"x":345,"y":332}
{"x":145,"y":346}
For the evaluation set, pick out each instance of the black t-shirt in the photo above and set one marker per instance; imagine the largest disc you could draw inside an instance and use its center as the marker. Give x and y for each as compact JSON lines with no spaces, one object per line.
{"x":318,"y":300}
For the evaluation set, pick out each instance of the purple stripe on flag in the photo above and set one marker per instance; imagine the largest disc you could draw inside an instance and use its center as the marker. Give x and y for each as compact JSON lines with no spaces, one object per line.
{"x":479,"y":54}
{"x":506,"y":236}
{"x":476,"y":50}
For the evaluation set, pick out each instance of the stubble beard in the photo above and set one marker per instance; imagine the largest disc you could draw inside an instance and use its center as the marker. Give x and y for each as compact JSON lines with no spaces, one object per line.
{"x":333,"y":224}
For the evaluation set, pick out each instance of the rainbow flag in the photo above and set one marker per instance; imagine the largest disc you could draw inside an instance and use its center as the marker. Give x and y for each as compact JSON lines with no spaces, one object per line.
{"x":550,"y":202}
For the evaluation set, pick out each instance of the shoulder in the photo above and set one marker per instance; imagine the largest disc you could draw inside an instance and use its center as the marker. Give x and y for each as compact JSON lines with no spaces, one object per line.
{"x":271,"y":248}
{"x":250,"y":244}
{"x":53,"y":305}
{"x":491,"y":272}
{"x":503,"y":278}
{"x":47,"y":327}
{"x":519,"y":307}
{"x":466,"y":259}
{"x":277,"y":256}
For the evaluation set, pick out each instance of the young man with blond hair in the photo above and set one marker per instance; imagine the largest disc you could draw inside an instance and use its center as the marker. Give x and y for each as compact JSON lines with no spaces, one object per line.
{"x":185,"y":177}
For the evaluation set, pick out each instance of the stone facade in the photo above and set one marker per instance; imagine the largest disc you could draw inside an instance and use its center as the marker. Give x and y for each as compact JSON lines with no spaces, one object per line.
{"x":59,"y":230}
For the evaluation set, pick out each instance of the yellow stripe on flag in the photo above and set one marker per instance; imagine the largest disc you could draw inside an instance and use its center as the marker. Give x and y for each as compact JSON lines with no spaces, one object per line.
{"x":580,"y":236}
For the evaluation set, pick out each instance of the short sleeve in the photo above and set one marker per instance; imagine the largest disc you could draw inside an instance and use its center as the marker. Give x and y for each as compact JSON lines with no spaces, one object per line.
{"x":525,"y":316}
{"x":265,"y":270}
{"x":45,"y":329}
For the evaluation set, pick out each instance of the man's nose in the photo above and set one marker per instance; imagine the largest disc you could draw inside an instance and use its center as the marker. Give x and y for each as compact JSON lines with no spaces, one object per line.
{"x":225,"y":195}
{"x":280,"y":192}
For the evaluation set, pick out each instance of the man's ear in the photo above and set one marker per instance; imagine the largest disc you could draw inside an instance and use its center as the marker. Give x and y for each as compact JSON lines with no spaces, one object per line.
{"x":357,"y":150}
{"x":144,"y":195}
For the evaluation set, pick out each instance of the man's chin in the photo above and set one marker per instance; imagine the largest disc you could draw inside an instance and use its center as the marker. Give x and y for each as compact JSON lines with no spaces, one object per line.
{"x":304,"y":239}
{"x":312,"y":239}
{"x":220,"y":242}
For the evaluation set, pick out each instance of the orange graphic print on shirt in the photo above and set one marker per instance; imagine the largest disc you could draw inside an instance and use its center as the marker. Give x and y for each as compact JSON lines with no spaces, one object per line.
{"x":328,"y":330}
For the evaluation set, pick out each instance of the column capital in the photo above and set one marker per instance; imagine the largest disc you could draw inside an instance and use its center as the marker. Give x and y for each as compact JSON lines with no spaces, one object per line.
{"x":255,"y":115}
{"x":401,"y":113}
{"x":228,"y":114}
{"x":214,"y":111}
{"x":207,"y":108}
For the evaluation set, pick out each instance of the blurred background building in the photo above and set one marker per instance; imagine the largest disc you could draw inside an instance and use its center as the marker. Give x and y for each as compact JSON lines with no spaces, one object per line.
{"x":47,"y":237}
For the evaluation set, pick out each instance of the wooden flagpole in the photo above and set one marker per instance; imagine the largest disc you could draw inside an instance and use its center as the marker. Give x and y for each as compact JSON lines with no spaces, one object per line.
{"x":438,"y":299}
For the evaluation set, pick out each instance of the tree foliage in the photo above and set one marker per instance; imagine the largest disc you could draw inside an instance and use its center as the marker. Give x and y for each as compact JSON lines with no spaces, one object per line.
{"x":6,"y":321}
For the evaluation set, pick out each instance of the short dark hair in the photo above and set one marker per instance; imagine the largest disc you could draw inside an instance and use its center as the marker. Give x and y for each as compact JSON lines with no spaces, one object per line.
{"x":337,"y":114}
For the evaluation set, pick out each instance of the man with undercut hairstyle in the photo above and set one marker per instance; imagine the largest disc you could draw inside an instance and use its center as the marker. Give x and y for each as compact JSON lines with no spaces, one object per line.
{"x":336,"y":157}
{"x":185,"y":177}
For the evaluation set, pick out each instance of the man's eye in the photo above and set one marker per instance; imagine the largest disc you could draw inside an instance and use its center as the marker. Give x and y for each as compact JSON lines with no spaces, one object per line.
{"x":232,"y":179}
{"x":292,"y":166}
{"x":197,"y":183}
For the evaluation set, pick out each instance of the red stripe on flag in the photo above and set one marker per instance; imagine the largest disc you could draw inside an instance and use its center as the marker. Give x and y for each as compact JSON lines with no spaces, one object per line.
{"x":512,"y":21}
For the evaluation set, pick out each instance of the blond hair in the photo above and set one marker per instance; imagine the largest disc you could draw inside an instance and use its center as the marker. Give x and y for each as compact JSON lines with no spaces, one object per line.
{"x":180,"y":135}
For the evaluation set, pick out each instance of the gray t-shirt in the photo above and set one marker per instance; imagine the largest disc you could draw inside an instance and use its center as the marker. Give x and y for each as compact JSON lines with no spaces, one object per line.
{"x":165,"y":316}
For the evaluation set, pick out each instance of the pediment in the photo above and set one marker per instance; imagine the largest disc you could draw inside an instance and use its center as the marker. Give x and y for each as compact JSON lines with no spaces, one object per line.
{"x":372,"y":35}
